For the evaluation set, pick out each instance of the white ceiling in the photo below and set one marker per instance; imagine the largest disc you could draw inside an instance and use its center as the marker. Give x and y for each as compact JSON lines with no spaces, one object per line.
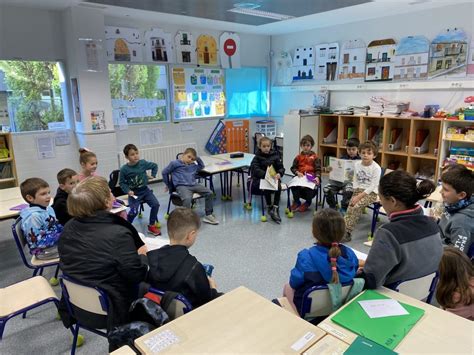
{"x":375,"y":9}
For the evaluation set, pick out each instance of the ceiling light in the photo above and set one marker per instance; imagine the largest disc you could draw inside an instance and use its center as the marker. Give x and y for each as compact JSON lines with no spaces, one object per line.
{"x":260,"y":13}
{"x":246,"y":5}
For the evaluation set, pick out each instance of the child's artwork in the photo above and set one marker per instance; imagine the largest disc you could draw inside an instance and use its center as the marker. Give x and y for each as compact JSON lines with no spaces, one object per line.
{"x":327,"y":56}
{"x":207,"y":50}
{"x":411,"y":58}
{"x":98,"y":120}
{"x":342,"y":170}
{"x":158,"y":46}
{"x":470,"y":61}
{"x":283,"y":65}
{"x":303,"y":63}
{"x":185,"y":48}
{"x":230,"y":50}
{"x":352,"y":60}
{"x":123,"y":44}
{"x":217,"y":141}
{"x":379,"y":60}
{"x":448,"y":54}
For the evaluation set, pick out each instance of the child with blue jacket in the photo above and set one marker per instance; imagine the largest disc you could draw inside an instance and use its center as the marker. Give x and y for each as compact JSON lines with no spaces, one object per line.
{"x":327,"y":261}
{"x":38,"y":221}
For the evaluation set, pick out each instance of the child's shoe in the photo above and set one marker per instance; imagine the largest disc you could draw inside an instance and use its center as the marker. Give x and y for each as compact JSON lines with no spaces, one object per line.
{"x":211,"y":219}
{"x":304,"y":207}
{"x":152,"y":229}
{"x":295,"y":206}
{"x":274,"y":214}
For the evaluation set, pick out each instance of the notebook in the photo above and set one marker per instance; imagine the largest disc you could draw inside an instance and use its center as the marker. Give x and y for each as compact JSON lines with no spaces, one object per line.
{"x":19,"y":207}
{"x":364,"y":346}
{"x":386,"y":331}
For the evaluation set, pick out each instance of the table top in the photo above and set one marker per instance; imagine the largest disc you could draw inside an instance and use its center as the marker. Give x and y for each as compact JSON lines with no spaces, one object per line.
{"x":328,"y":345}
{"x":437,"y":332}
{"x":240,"y":321}
{"x":9,"y":198}
{"x":435,"y":196}
{"x":219,"y":163}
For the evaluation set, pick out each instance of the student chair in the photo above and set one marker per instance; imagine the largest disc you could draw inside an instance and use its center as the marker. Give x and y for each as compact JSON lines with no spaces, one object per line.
{"x":87,"y":305}
{"x":24,"y":296}
{"x":176,"y":199}
{"x":317,"y":193}
{"x":34,"y":263}
{"x":278,"y":146}
{"x":256,"y":138}
{"x":177,"y":307}
{"x":376,"y":208}
{"x":201,"y":175}
{"x":421,"y":288}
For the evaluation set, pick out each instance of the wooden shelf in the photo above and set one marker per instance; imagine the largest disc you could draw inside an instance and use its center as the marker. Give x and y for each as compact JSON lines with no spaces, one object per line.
{"x":457,"y":140}
{"x":459,"y":121}
{"x":330,"y":145}
{"x":7,"y":180}
{"x":11,"y":181}
{"x":396,"y":152}
{"x":425,"y":156}
{"x":5,"y":160}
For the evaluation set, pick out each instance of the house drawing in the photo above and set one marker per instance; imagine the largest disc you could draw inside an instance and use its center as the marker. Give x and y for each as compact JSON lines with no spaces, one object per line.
{"x":352,"y":60}
{"x":185,"y":48}
{"x":326,"y":57}
{"x":207,"y":50}
{"x":448,"y":54}
{"x":158,"y":46}
{"x":411,"y":59}
{"x":470,"y":61}
{"x":303,"y":63}
{"x":379,"y":61}
{"x":123,"y":44}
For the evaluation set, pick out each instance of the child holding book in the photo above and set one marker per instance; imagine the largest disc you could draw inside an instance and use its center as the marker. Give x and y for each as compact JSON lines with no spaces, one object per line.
{"x":264,"y":158}
{"x":88,"y":161}
{"x":307,"y":162}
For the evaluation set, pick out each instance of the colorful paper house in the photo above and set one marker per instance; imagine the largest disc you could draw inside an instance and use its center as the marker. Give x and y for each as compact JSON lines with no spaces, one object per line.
{"x":380,"y":60}
{"x":303,"y":63}
{"x":352,"y":60}
{"x":123,"y":44}
{"x":158,"y":46}
{"x":283,"y":66}
{"x":185,"y":48}
{"x":411,"y":58}
{"x":327,"y":55}
{"x":229,"y":50}
{"x":470,"y":61}
{"x":207,"y":50}
{"x":448,"y":54}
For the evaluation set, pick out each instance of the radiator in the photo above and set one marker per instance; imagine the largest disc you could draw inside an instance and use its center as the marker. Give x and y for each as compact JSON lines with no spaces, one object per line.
{"x":159,"y":155}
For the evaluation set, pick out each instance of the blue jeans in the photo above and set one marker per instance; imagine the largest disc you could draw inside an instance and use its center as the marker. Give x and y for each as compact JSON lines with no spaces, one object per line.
{"x":147,"y":196}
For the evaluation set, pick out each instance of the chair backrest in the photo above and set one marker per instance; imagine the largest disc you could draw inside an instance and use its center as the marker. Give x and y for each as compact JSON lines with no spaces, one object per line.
{"x":114,"y":185}
{"x":317,"y":301}
{"x":87,"y":298}
{"x":256,"y":138}
{"x":421,"y":288}
{"x":175,"y":307}
{"x":20,"y":241}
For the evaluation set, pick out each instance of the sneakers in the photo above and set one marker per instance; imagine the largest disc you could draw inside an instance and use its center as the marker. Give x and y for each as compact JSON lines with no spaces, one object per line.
{"x":274,"y":214}
{"x":304,"y":207}
{"x":211,"y":219}
{"x":294,"y":207}
{"x":153,"y":229}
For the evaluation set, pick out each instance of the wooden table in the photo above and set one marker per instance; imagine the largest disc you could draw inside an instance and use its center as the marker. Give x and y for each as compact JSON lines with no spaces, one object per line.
{"x":9,"y":198}
{"x":240,"y":321}
{"x":328,"y":345}
{"x":437,"y":332}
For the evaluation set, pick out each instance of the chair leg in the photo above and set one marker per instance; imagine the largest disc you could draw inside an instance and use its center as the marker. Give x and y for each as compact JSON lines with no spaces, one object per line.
{"x":74,"y":340}
{"x":56,"y":273}
{"x":35,"y":271}
{"x":263,"y":218}
{"x":41,"y":271}
{"x":3,"y":322}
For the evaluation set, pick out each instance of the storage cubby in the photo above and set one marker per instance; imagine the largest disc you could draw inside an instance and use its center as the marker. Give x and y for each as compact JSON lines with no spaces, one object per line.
{"x":425,"y":147}
{"x":397,"y":135}
{"x":395,"y":161}
{"x":349,"y":126}
{"x":8,"y":176}
{"x":324,"y":153}
{"x":372,"y":128}
{"x":328,"y":132}
{"x":423,"y":168}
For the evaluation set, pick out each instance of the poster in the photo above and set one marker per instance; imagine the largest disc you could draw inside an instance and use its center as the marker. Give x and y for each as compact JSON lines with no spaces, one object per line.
{"x":342,"y":170}
{"x":98,"y":120}
{"x":185,"y":48}
{"x":327,"y":57}
{"x":123,"y":44}
{"x":303,"y":63}
{"x":380,"y":58}
{"x":45,"y":147}
{"x":158,"y":46}
{"x":352,"y":60}
{"x":448,"y":54}
{"x":207,"y":50}
{"x":411,"y":58}
{"x":198,"y":92}
{"x":230,"y":50}
{"x":76,"y":103}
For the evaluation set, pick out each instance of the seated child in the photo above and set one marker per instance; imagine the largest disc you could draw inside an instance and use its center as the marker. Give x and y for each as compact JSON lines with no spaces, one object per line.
{"x":409,"y":246}
{"x":172,"y":268}
{"x":457,"y":223}
{"x":366,"y":180}
{"x":183,"y":178}
{"x":307,"y":162}
{"x":38,"y":221}
{"x":67,"y":179}
{"x":333,"y":187}
{"x":455,"y":289}
{"x":264,"y":158}
{"x":88,"y":161}
{"x":134,"y":182}
{"x":327,"y":261}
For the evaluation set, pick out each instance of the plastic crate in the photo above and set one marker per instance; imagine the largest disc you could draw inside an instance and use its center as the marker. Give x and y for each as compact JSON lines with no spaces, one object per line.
{"x":267,"y":127}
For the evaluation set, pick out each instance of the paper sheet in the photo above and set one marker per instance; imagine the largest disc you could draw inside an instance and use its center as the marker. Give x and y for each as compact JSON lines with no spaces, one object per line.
{"x":153,"y":243}
{"x":359,"y":254}
{"x":383,"y":308}
{"x":301,"y":181}
{"x":269,"y":183}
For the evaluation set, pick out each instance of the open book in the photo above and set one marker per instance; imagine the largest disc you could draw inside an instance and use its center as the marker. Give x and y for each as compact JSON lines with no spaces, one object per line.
{"x":302,"y":181}
{"x":269,"y":182}
{"x":342,"y":170}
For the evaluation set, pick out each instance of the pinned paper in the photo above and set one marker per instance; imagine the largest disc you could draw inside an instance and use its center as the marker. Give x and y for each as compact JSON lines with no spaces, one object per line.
{"x":383,"y":308}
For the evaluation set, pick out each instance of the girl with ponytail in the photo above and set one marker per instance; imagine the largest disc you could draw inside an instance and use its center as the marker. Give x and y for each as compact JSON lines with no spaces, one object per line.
{"x":328,"y":261}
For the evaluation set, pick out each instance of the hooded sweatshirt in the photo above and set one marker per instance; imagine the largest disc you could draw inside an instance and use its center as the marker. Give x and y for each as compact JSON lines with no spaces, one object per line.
{"x":172,"y":268}
{"x":60,"y":206}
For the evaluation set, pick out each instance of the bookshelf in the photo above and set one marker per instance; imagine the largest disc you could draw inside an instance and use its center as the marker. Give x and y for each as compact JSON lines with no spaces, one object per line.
{"x":8,"y":176}
{"x":396,"y":138}
{"x":457,"y":138}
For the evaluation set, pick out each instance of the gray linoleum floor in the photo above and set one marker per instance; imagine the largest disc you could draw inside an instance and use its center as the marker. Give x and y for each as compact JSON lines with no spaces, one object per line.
{"x":243,"y":250}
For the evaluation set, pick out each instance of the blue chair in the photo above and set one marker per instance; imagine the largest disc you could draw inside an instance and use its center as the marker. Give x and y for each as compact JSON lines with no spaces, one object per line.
{"x":177,"y":307}
{"x":421,"y":288}
{"x":176,"y":200}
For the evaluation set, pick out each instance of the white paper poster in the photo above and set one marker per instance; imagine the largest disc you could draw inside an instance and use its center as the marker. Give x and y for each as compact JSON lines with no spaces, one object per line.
{"x":230,"y":50}
{"x":45,"y":147}
{"x":158,"y":47}
{"x":185,"y":48}
{"x":123,"y":44}
{"x":151,"y":136}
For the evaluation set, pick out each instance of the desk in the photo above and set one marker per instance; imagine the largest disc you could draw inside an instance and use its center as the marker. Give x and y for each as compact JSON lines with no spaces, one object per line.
{"x":9,"y":198}
{"x":240,"y":321}
{"x":437,"y":332}
{"x":328,"y":345}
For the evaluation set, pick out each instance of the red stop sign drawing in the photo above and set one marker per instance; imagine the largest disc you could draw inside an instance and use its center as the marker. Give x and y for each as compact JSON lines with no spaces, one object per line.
{"x":230,"y":47}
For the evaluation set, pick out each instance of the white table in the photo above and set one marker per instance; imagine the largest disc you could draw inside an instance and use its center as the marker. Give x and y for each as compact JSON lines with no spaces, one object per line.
{"x":10,"y":198}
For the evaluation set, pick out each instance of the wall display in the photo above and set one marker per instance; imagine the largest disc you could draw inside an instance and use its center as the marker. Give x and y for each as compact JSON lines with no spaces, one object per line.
{"x":352,"y":60}
{"x":470,"y":61}
{"x":76,"y":103}
{"x":411,"y":58}
{"x":123,"y":44}
{"x":303,"y":63}
{"x":98,"y":120}
{"x":158,"y":47}
{"x":185,"y":48}
{"x":327,"y":55}
{"x":237,"y":135}
{"x":198,"y":92}
{"x":45,"y":147}
{"x":217,"y":141}
{"x":230,"y":50}
{"x":207,"y":50}
{"x":89,"y":58}
{"x":448,"y":54}
{"x":380,"y":60}
{"x":282,"y":65}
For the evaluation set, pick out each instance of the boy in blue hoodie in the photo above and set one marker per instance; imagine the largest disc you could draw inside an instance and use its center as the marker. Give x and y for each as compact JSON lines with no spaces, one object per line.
{"x":38,"y":221}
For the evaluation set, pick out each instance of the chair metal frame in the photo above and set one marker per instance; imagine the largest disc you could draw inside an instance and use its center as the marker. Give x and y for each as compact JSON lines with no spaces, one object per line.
{"x":187,"y":305}
{"x":434,"y":282}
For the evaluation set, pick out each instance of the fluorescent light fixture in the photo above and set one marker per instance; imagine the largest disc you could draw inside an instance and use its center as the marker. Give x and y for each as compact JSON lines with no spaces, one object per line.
{"x":260,"y":13}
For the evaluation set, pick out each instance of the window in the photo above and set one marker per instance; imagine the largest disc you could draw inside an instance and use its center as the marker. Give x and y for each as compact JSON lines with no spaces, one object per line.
{"x":371,"y":71}
{"x":346,"y":58}
{"x":353,"y":70}
{"x":322,"y":52}
{"x":138,"y":92}
{"x":369,"y":57}
{"x":247,"y":92}
{"x":31,"y":95}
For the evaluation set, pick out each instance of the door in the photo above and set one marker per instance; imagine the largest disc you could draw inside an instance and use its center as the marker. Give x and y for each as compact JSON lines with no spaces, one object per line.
{"x":385,"y":73}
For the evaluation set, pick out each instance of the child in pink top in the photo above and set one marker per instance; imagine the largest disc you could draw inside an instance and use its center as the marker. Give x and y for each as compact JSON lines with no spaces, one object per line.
{"x":88,"y":161}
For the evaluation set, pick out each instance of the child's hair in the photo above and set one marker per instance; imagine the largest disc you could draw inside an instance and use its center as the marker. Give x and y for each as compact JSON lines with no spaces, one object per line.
{"x":85,"y":154}
{"x":307,"y":139}
{"x":88,"y":197}
{"x":455,"y":273}
{"x":264,"y":139}
{"x":128,"y":148}
{"x":329,"y":229}
{"x":191,"y":151}
{"x":31,"y":186}
{"x":65,"y":174}
{"x":181,"y":221}
{"x":403,"y":187}
{"x":460,"y":178}
{"x":353,"y":142}
{"x":369,"y":145}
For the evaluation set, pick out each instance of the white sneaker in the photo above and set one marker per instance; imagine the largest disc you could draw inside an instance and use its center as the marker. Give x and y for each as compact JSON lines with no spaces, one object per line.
{"x":211,"y":219}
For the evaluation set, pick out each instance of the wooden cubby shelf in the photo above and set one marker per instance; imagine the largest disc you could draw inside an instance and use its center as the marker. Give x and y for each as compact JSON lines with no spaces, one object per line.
{"x":8,"y":176}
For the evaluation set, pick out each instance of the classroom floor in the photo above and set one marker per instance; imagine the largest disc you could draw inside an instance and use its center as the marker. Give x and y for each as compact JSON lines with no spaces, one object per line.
{"x":243,"y":250}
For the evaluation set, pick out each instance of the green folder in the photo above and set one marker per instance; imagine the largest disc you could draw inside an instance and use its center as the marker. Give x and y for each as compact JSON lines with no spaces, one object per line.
{"x":386,"y":331}
{"x":364,"y":346}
